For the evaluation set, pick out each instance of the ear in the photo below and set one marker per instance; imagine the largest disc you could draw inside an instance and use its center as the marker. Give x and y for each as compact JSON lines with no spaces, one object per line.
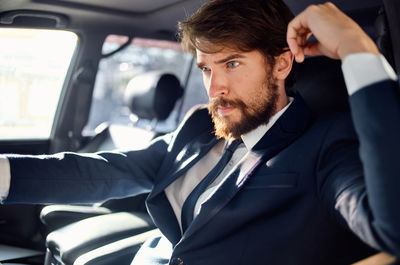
{"x":283,"y":65}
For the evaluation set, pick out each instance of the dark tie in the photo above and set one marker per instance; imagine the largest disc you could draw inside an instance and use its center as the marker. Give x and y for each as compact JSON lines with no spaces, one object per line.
{"x":190,"y":202}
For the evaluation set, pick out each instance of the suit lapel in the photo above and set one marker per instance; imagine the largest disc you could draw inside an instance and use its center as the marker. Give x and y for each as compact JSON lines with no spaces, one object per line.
{"x":288,"y":127}
{"x":185,"y":159}
{"x":157,"y":203}
{"x":225,"y":192}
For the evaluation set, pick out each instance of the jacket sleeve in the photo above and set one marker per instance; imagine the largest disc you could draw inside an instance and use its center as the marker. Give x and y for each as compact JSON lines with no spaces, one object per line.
{"x":376,"y":115}
{"x":359,"y":177}
{"x":85,"y":178}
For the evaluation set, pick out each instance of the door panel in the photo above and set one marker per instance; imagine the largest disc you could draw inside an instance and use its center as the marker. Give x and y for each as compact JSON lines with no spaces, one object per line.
{"x":31,"y":147}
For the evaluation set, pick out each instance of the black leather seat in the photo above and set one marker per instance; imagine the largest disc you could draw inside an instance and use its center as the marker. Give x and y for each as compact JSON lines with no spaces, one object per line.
{"x":66,"y":244}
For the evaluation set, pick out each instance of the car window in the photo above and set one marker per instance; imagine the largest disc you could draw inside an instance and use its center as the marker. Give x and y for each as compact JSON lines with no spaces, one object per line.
{"x":195,"y":92}
{"x":141,"y":56}
{"x":33,"y":66}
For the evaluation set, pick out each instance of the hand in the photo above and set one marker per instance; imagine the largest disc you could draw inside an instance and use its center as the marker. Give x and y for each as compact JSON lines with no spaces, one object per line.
{"x":336,"y":33}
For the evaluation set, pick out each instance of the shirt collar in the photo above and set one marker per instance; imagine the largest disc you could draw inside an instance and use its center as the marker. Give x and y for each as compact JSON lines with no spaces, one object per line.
{"x":251,"y":138}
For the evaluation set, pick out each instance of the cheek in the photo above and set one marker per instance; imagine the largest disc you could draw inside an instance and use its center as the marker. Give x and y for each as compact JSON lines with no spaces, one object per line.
{"x":238,"y":84}
{"x":256,"y":97}
{"x":248,"y":86}
{"x":206,"y":83}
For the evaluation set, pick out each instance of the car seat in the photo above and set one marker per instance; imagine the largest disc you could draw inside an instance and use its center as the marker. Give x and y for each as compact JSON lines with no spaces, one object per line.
{"x":151,"y":96}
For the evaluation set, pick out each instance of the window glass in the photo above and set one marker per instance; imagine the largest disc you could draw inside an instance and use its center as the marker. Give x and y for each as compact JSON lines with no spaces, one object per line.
{"x":33,"y":66}
{"x":141,"y":56}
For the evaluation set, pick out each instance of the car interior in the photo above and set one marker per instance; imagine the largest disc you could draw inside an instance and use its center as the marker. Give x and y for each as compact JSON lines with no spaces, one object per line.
{"x":88,"y":76}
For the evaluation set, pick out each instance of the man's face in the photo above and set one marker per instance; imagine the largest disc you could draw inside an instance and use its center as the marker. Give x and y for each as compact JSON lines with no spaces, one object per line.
{"x":241,"y":90}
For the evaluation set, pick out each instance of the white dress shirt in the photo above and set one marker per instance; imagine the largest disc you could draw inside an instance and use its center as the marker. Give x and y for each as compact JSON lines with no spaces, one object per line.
{"x":4,"y":177}
{"x":363,"y":69}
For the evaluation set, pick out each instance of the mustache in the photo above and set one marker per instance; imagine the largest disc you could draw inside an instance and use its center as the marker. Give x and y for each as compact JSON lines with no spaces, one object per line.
{"x":222,"y":102}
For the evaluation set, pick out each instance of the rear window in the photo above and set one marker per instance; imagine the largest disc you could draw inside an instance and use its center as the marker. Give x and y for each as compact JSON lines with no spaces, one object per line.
{"x":140,"y":56}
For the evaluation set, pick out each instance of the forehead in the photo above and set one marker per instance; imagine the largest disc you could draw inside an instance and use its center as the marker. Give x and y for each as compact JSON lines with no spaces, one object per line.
{"x":216,"y":50}
{"x":225,"y":54}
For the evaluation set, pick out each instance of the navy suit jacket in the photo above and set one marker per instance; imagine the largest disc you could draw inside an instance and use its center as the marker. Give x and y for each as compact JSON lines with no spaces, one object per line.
{"x":298,"y":197}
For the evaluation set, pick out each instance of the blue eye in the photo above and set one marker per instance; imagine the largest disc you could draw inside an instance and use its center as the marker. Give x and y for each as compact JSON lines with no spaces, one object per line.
{"x":233,"y":64}
{"x":205,"y":69}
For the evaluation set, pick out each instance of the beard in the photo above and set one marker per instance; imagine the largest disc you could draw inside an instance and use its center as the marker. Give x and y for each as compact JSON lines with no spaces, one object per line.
{"x":257,"y":111}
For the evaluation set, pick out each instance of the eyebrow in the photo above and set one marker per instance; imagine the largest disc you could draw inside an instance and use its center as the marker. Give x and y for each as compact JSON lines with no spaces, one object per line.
{"x":224,"y":60}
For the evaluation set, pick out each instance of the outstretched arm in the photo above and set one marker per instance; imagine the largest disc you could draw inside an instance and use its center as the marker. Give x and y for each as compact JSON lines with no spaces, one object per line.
{"x":83,"y":178}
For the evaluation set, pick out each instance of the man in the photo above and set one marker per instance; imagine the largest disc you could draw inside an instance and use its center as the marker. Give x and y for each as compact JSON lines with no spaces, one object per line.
{"x":292,"y":188}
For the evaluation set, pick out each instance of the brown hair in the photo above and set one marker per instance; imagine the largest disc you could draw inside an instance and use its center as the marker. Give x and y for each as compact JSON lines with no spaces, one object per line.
{"x":244,"y":25}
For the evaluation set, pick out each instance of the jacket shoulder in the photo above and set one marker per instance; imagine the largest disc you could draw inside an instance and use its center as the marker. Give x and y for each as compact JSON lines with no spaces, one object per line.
{"x":196,"y":122}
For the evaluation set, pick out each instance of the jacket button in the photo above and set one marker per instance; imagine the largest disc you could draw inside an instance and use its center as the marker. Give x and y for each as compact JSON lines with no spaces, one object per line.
{"x":176,"y":261}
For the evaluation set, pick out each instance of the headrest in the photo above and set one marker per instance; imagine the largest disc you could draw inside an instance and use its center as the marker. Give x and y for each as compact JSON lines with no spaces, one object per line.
{"x":153,"y":95}
{"x":319,"y":80}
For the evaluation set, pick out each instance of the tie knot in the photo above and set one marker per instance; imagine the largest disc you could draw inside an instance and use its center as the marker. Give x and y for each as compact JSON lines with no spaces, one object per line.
{"x":233,"y":145}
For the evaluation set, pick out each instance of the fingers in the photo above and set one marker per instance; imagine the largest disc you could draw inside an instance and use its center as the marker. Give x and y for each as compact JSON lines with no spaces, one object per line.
{"x":309,"y":49}
{"x":297,"y":34}
{"x":319,"y":20}
{"x":337,"y":34}
{"x":312,"y":49}
{"x":298,"y":45}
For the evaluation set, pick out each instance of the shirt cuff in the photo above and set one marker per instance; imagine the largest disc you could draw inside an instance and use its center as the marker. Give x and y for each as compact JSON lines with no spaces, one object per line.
{"x":363,"y":69}
{"x":5,"y":177}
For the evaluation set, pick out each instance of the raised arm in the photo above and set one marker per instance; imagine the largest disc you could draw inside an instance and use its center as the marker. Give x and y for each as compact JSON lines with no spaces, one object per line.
{"x":369,"y":204}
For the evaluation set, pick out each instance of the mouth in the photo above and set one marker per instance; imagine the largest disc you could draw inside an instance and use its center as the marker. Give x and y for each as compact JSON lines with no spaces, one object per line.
{"x":225,"y":110}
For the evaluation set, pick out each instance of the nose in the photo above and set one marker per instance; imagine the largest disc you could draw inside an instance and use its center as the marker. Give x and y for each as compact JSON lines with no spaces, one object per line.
{"x":217,"y":85}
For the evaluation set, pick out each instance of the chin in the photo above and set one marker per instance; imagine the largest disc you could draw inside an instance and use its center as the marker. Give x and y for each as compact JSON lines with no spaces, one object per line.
{"x":231,"y":118}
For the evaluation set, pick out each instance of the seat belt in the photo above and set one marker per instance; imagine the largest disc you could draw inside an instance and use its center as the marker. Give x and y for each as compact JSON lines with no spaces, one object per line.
{"x":83,"y":82}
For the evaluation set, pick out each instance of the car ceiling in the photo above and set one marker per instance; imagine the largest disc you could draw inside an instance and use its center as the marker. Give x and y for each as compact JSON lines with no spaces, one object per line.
{"x":155,"y":18}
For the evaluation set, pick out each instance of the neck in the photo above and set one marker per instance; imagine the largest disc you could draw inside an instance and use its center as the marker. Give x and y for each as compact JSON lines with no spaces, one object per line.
{"x":282,"y":102}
